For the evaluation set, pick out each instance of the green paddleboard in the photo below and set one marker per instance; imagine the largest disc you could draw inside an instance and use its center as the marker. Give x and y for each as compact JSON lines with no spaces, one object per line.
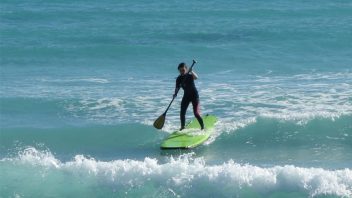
{"x":191,"y":136}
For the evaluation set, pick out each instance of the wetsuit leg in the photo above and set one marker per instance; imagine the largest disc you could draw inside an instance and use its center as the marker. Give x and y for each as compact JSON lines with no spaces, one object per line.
{"x":196,"y":111}
{"x":184,"y":105}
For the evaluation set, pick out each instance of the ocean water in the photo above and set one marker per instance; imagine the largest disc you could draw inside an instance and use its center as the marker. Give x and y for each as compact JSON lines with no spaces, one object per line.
{"x":82,"y":82}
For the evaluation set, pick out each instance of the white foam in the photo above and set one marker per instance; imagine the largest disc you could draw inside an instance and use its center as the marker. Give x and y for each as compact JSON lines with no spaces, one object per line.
{"x":102,"y":103}
{"x":100,"y":110}
{"x":236,"y":100}
{"x":298,"y":98}
{"x":185,"y":172}
{"x":35,"y":157}
{"x":93,"y":80}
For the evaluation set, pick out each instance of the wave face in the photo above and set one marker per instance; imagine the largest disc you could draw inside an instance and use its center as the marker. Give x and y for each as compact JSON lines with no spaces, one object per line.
{"x":39,"y":173}
{"x":265,"y":141}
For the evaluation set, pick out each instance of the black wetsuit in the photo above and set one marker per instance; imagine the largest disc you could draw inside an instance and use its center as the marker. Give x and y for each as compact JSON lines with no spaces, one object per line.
{"x":190,"y":95}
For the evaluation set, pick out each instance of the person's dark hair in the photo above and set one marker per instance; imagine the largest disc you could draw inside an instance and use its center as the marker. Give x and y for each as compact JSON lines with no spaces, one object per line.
{"x":181,"y":65}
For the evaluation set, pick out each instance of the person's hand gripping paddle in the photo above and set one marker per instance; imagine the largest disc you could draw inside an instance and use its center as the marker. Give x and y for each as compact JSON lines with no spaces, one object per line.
{"x":160,"y":121}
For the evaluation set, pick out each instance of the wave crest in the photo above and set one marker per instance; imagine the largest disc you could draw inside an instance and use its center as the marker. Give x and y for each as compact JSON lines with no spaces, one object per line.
{"x":188,"y":176}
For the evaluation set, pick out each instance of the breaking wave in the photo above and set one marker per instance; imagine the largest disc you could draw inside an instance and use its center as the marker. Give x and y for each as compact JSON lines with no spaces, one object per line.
{"x":181,"y":176}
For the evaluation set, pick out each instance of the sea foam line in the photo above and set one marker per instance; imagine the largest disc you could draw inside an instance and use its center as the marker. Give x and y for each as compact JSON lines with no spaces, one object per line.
{"x":187,"y":172}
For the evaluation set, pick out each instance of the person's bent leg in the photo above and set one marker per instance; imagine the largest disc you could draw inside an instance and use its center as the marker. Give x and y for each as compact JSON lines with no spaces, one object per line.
{"x":196,"y":111}
{"x":184,"y":106}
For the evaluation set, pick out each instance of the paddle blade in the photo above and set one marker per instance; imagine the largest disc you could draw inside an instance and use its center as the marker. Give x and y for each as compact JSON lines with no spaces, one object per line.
{"x":159,"y":123}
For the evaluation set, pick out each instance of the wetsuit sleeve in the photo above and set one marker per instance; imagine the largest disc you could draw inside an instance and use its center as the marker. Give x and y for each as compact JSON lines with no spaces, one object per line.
{"x":177,"y":86}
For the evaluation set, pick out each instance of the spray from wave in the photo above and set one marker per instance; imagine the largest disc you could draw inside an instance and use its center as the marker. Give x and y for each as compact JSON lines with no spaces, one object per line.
{"x":181,"y":176}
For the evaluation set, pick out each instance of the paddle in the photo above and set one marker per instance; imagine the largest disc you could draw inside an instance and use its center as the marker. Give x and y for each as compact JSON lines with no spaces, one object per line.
{"x":159,"y":123}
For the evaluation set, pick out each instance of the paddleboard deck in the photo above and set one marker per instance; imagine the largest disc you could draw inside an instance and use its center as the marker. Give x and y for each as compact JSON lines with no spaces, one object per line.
{"x":191,"y":136}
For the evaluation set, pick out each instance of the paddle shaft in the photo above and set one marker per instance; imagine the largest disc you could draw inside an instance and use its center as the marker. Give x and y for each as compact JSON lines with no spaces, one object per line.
{"x":168,"y":107}
{"x":190,"y":69}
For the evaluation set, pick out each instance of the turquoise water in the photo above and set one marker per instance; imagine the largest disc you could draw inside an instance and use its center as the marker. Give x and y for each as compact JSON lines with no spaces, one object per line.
{"x":83,"y":81}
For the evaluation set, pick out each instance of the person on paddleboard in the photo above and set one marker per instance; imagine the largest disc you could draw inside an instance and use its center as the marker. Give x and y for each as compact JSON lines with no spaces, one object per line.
{"x":186,"y":81}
